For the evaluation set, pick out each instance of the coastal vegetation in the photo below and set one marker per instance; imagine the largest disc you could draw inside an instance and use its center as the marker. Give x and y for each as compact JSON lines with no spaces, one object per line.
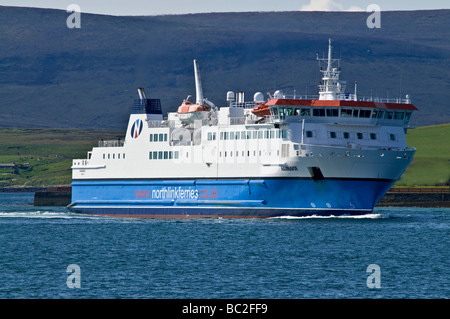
{"x":43,"y":157}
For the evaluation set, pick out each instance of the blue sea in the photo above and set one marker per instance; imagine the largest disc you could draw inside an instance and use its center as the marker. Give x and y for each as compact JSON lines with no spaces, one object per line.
{"x":50,"y":253}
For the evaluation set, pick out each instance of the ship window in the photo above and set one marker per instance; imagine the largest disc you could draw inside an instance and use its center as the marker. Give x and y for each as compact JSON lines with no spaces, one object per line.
{"x":161,"y":137}
{"x":374,"y":114}
{"x":297,"y":111}
{"x":225,"y":154}
{"x":272,"y":134}
{"x":284,"y":134}
{"x":388,"y":115}
{"x":170,"y":155}
{"x":150,"y":155}
{"x":359,"y":136}
{"x":243,"y":135}
{"x":221,"y":135}
{"x":380,"y":114}
{"x":333,"y":134}
{"x":155,"y":137}
{"x":155,"y":155}
{"x":151,"y":137}
{"x":266,"y":134}
{"x":118,"y":156}
{"x":176,"y":155}
{"x":166,"y":155}
{"x":399,"y":115}
{"x":165,"y":137}
{"x":289,"y":111}
{"x":332,"y":112}
{"x":346,"y":112}
{"x":249,"y":135}
{"x":305,"y":111}
{"x":318,"y":112}
{"x":260,"y":134}
{"x":103,"y":156}
{"x":392,"y":137}
{"x":109,"y":156}
{"x":278,"y":133}
{"x":346,"y":135}
{"x":114,"y":156}
{"x":123,"y":156}
{"x":373,"y":136}
{"x":355,"y":113}
{"x":255,"y":134}
{"x":209,"y":136}
{"x":160,"y":155}
{"x":237,"y":135}
{"x":231,"y":135}
{"x":407,"y":116}
{"x":225,"y":135}
{"x":309,"y":134}
{"x":364,"y":113}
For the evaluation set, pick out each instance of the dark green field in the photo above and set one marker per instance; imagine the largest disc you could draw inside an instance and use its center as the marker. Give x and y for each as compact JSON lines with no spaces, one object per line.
{"x":43,"y":157}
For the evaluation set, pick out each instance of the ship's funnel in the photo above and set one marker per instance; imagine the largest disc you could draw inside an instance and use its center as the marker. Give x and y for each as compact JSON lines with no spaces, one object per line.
{"x":141,"y":93}
{"x":198,"y":84}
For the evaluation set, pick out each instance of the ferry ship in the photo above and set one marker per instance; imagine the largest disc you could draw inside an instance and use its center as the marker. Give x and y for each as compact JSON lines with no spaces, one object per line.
{"x":277,"y":155}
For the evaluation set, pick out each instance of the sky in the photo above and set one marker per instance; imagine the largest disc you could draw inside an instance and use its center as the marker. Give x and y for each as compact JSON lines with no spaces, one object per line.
{"x":158,"y":7}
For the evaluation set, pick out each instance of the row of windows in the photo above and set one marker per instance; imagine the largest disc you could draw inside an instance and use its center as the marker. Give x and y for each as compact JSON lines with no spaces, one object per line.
{"x":282,"y":112}
{"x":158,"y":137}
{"x":247,"y":135}
{"x":348,"y":135}
{"x":163,"y":155}
{"x":243,"y":153}
{"x":114,"y":156}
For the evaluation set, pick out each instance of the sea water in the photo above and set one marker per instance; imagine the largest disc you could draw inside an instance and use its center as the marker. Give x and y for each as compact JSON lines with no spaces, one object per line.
{"x":48,"y":252}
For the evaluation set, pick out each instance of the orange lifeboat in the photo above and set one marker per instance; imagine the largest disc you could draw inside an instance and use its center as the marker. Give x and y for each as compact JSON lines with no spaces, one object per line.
{"x":262,"y":110}
{"x":188,"y":107}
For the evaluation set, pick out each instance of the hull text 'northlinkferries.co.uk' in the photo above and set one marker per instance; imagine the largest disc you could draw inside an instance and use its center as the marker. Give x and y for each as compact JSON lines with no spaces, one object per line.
{"x":332,"y":154}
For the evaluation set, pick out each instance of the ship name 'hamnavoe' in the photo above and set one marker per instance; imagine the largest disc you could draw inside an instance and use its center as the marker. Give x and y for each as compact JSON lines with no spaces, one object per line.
{"x":277,"y":155}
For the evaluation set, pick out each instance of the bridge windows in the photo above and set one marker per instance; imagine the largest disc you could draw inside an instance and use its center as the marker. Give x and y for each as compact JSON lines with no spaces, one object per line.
{"x":334,"y":112}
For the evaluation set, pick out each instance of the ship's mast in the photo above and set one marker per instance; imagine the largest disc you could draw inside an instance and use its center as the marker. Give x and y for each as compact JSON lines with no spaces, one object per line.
{"x":331,"y":88}
{"x":198,"y":85}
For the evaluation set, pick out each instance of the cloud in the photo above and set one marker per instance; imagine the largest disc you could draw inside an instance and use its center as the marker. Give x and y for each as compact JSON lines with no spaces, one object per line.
{"x":327,"y":5}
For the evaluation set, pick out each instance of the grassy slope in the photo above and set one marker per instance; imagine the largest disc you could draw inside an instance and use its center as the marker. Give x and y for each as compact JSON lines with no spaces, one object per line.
{"x":49,"y":153}
{"x":431,"y":164}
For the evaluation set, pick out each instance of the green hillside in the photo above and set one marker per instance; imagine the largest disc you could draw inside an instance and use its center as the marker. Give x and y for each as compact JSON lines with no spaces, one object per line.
{"x":42,"y":157}
{"x":431,"y":164}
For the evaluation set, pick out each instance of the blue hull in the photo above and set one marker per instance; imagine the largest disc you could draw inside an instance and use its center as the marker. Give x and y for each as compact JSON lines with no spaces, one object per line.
{"x":227,"y":198}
